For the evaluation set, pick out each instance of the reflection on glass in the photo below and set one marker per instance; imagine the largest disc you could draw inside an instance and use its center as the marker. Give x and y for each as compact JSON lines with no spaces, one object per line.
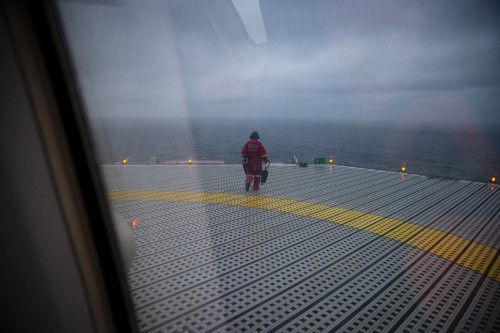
{"x":173,"y":83}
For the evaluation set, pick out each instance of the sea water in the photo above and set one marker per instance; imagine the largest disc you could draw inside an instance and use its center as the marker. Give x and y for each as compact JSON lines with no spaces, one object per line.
{"x":469,"y":153}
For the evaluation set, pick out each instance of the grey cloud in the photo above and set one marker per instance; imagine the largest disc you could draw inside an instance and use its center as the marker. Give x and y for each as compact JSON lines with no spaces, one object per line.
{"x":333,"y":59}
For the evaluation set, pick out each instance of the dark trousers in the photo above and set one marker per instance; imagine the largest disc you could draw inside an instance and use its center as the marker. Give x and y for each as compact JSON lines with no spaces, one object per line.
{"x":254,"y":172}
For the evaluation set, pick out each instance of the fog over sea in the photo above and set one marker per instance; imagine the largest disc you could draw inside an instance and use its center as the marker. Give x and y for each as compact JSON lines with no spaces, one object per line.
{"x":470,"y":153}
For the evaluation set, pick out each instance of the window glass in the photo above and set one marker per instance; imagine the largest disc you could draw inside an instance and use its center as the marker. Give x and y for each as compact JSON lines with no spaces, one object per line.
{"x":378,"y":110}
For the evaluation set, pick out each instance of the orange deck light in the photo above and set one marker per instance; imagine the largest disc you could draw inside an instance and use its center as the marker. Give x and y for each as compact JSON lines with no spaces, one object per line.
{"x":134,"y":223}
{"x":190,"y":161}
{"x":124,"y":161}
{"x":403,"y":168}
{"x":493,"y":179}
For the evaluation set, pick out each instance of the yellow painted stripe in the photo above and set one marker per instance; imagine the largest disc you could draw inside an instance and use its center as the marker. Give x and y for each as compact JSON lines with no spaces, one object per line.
{"x":477,"y":257}
{"x":495,"y":271}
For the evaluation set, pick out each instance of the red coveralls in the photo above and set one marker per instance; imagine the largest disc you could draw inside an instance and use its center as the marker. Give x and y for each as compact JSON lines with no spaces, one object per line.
{"x":255,"y":152}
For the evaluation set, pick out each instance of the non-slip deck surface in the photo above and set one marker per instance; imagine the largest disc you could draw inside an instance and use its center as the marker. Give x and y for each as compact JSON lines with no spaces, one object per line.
{"x":316,"y":249}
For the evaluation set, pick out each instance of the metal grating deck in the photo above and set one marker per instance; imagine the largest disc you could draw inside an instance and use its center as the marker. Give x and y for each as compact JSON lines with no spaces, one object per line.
{"x":316,"y":249}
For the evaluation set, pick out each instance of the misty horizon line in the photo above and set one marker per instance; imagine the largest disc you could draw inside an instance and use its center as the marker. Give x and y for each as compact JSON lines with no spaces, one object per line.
{"x":394,"y":122}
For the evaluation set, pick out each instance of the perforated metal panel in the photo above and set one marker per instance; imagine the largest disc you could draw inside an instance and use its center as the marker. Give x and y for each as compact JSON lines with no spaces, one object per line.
{"x":315,"y":249}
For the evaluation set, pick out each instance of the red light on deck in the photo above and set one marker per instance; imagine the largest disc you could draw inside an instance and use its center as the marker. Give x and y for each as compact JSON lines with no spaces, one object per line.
{"x":134,"y":223}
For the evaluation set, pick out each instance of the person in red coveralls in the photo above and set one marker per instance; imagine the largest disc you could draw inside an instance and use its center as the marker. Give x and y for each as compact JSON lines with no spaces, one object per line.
{"x":253,"y":154}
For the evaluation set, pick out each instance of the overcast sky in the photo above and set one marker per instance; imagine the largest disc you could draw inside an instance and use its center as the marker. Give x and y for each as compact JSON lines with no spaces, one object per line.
{"x":410,"y":61}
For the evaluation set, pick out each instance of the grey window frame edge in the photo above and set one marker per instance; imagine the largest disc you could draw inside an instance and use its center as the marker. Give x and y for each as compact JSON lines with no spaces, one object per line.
{"x":40,"y":51}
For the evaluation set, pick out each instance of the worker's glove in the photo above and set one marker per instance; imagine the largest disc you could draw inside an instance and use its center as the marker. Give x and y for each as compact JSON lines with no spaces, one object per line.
{"x":244,"y":161}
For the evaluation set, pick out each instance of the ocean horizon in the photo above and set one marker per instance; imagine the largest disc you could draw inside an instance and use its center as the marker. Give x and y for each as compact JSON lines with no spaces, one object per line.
{"x":469,"y":153}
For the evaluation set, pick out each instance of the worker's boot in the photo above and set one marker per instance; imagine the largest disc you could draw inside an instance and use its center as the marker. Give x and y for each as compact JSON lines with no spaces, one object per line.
{"x":247,"y":186}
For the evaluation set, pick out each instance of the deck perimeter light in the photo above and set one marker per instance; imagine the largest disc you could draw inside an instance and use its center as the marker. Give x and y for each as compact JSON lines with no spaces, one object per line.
{"x":124,"y":161}
{"x":330,"y":161}
{"x":403,"y":168}
{"x":190,"y":161}
{"x":134,"y":223}
{"x":493,"y":179}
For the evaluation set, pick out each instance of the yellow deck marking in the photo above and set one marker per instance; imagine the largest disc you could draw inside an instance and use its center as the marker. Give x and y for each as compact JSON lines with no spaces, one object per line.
{"x":404,"y":232}
{"x":383,"y":226}
{"x":450,"y":247}
{"x":495,"y":271}
{"x":477,"y":257}
{"x":426,"y":239}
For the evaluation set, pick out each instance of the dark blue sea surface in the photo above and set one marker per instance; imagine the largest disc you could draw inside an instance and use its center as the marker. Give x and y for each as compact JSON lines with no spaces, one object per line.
{"x":462,"y":153}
